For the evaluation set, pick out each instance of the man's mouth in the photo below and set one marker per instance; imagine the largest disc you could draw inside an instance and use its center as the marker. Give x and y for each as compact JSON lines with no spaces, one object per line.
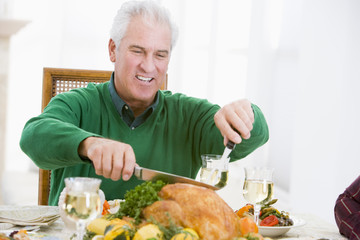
{"x":144,"y":79}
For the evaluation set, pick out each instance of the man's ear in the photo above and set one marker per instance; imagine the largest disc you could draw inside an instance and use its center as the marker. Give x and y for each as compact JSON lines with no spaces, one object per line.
{"x":112,"y":50}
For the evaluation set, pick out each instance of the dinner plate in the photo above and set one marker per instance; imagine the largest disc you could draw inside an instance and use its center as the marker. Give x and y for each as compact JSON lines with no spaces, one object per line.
{"x":278,"y":231}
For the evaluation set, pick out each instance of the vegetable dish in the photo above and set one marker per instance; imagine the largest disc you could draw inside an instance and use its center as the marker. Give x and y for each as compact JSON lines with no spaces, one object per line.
{"x":269,"y":215}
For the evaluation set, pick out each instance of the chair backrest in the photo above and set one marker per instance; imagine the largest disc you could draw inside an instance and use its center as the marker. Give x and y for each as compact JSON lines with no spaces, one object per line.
{"x":59,"y":80}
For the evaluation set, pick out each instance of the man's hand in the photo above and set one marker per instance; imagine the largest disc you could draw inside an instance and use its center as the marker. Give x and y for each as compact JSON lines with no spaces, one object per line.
{"x":236,"y":116}
{"x":112,"y":159}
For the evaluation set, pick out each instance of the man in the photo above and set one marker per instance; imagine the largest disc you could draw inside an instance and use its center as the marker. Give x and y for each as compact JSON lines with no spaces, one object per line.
{"x":103,"y":131}
{"x":347,"y":211}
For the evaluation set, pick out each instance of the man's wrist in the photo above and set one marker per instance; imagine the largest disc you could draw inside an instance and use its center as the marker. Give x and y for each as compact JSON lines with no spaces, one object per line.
{"x":84,"y":146}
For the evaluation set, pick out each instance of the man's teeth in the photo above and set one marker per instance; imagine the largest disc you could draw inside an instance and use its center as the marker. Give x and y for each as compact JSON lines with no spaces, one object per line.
{"x":143,"y":78}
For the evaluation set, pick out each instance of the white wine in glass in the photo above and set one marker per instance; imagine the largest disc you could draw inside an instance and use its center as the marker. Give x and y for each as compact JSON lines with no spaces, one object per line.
{"x":214,"y":177}
{"x":82,"y":202}
{"x":214,"y":170}
{"x":82,"y":206}
{"x":256,"y":191}
{"x":258,"y":187}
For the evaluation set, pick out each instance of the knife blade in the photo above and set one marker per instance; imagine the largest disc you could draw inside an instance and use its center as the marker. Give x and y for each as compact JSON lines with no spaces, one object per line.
{"x":147,"y":174}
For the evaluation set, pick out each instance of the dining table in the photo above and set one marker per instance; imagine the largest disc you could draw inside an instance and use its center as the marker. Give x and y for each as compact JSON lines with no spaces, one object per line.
{"x":313,"y":227}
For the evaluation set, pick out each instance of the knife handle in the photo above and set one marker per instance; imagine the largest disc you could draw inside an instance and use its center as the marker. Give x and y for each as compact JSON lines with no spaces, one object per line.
{"x":231,"y":145}
{"x":137,"y":172}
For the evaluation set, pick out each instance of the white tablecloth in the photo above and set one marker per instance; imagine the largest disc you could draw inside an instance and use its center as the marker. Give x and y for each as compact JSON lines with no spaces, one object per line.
{"x":315,"y":228}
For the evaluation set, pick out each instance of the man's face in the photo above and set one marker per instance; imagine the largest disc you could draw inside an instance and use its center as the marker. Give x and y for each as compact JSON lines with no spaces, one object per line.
{"x":141,"y":61}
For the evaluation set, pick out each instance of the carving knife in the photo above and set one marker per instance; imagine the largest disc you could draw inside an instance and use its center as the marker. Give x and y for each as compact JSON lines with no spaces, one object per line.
{"x":154,"y":175}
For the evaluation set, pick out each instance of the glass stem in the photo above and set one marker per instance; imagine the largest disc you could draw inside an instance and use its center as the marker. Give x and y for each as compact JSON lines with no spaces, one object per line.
{"x":257,"y":208}
{"x":80,"y":227}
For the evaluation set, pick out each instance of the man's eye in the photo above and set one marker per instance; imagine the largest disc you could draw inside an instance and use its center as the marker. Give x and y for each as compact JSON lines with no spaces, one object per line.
{"x":137,"y":51}
{"x":161,"y":55}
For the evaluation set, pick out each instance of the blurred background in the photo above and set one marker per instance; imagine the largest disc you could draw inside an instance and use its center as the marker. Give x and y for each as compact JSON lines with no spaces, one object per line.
{"x":298,"y":60}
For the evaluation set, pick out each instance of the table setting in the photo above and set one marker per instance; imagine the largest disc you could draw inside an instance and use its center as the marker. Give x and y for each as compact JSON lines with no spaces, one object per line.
{"x":306,"y":226}
{"x":27,"y":218}
{"x":79,"y":214}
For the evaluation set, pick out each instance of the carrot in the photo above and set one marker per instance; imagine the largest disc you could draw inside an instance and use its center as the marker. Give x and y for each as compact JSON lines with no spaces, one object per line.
{"x":247,"y":225}
{"x":106,"y":208}
{"x":246,"y":208}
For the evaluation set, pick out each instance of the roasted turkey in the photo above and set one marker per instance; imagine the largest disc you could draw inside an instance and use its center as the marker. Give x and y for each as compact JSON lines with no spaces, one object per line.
{"x":195,"y":207}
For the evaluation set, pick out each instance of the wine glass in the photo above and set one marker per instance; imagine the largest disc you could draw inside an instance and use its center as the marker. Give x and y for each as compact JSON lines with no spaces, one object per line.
{"x":258,"y":187}
{"x":214,"y":170}
{"x":82,"y":202}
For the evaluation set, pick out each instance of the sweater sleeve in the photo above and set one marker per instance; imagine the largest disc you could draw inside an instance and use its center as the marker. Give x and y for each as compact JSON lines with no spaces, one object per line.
{"x":51,"y":139}
{"x":211,"y":140}
{"x":347,"y":211}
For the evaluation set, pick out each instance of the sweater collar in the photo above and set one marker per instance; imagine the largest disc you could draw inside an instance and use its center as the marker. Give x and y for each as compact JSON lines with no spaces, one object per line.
{"x":125,"y":111}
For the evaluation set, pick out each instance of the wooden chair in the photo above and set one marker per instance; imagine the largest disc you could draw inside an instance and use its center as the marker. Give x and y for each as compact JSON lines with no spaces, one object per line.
{"x":59,"y":80}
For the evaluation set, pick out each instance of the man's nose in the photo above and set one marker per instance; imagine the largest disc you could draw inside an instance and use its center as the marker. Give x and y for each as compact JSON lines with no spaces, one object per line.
{"x":148,"y":64}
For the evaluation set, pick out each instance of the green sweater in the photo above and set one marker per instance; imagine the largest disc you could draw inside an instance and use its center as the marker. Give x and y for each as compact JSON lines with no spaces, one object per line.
{"x":172,"y":139}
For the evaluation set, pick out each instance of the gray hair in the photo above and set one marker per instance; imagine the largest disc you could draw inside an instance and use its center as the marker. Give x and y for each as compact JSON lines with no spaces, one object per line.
{"x":146,"y":9}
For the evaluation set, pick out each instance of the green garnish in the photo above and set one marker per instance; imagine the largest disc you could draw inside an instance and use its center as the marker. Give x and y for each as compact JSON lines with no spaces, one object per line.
{"x":88,"y":235}
{"x":168,"y":231}
{"x":138,"y":198}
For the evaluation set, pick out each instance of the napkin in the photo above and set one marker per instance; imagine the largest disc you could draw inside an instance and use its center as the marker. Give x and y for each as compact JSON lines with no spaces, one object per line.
{"x":5,"y":226}
{"x":29,"y":215}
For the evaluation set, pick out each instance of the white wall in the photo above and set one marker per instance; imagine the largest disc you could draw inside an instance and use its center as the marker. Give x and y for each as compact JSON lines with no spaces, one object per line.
{"x":69,"y":34}
{"x":326,"y":147}
{"x":298,"y":60}
{"x":307,"y":85}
